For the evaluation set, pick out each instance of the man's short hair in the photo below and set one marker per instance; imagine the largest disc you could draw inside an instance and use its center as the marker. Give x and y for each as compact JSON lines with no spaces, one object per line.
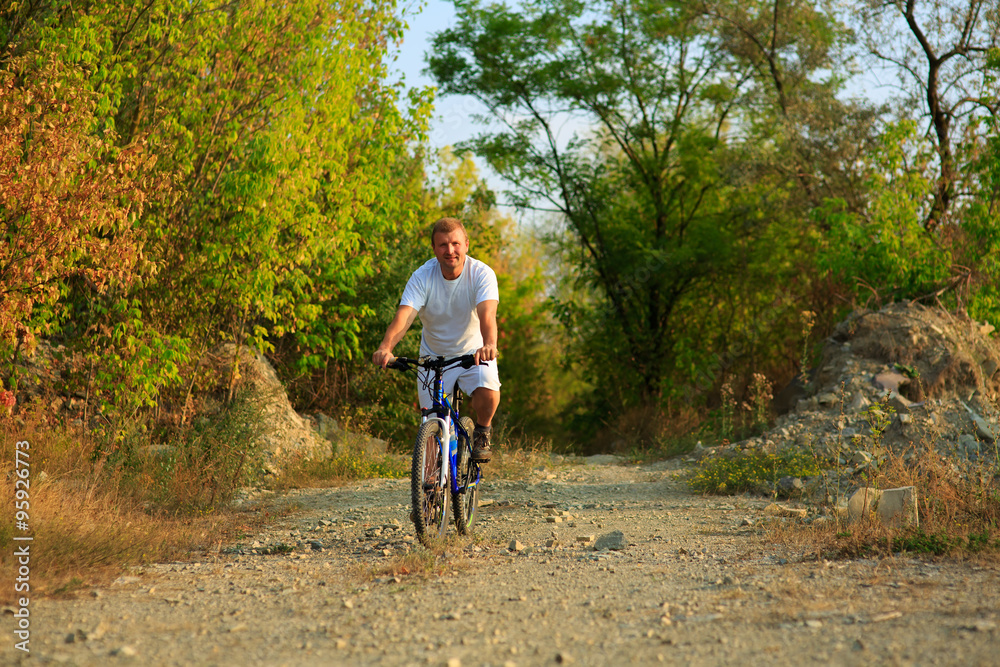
{"x":447,"y":226}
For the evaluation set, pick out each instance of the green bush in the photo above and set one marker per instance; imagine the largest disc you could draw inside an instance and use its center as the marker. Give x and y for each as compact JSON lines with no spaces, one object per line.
{"x":938,"y":543}
{"x":749,"y":470}
{"x":193,"y":470}
{"x":344,"y":466}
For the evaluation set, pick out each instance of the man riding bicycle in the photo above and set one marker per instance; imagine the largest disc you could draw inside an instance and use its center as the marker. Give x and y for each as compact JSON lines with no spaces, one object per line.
{"x":456,"y":298}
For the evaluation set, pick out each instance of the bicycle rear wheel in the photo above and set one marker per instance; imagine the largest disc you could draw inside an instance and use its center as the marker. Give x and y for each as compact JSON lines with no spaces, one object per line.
{"x":465,"y":503}
{"x":430,"y":499}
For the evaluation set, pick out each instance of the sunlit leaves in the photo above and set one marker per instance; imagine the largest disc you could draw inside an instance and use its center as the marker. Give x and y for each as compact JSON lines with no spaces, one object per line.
{"x":275,"y":142}
{"x":68,"y":196}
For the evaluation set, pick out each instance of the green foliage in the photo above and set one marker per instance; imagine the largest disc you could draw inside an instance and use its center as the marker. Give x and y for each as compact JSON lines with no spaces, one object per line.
{"x":886,"y":250}
{"x":943,"y":55}
{"x":255,"y":171}
{"x":210,"y":461}
{"x":174,"y":179}
{"x":979,"y":249}
{"x":676,"y":178}
{"x":642,"y":215}
{"x":919,"y":542}
{"x":129,"y":364}
{"x":878,"y":416}
{"x":68,"y":197}
{"x":347,"y":466}
{"x":937,"y":543}
{"x":894,"y":247}
{"x":750,"y":470}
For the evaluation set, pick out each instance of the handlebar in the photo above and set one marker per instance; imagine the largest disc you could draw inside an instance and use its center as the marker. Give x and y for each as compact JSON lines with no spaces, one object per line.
{"x":431,"y":363}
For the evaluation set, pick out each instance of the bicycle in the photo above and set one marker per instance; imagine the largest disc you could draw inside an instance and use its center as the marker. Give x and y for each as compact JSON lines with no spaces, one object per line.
{"x":442,"y":468}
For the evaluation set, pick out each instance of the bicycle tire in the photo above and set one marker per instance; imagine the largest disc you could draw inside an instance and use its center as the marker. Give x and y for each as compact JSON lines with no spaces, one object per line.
{"x":465,"y":505}
{"x":429,"y":498}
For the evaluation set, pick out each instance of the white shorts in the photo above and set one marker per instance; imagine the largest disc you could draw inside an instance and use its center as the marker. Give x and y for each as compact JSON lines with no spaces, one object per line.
{"x":468,"y":379}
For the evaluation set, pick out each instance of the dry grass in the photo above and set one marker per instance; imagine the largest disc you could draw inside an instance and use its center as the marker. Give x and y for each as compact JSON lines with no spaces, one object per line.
{"x":515,"y":460}
{"x":88,"y":523}
{"x":958,"y":505}
{"x":651,"y":433}
{"x":310,"y":471}
{"x":439,"y":558}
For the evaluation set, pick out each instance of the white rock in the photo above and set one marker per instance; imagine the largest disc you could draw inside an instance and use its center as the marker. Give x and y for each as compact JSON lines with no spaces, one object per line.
{"x":968,"y":444}
{"x":775,"y":509}
{"x":898,"y":507}
{"x":861,"y":458}
{"x":615,"y":541}
{"x":900,"y":403}
{"x":893,"y":507}
{"x":862,"y":503}
{"x":827,"y":398}
{"x":858,"y":403}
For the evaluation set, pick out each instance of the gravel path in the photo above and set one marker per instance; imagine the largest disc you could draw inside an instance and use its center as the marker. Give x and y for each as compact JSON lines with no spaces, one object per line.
{"x":694,"y":586}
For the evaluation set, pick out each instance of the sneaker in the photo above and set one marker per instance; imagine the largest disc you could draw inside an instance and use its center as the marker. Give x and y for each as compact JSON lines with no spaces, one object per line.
{"x":481,"y":446}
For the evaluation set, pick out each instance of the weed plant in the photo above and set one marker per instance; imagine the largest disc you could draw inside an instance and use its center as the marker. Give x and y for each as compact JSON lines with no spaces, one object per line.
{"x":90,"y":519}
{"x":759,"y":405}
{"x":440,"y":556}
{"x":736,"y":420}
{"x":334,"y":469}
{"x":194,"y":469}
{"x":879,"y":417}
{"x":516,"y":454}
{"x":958,"y":501}
{"x":808,"y":319}
{"x":959,"y":512}
{"x":727,"y":412}
{"x":751,"y":470}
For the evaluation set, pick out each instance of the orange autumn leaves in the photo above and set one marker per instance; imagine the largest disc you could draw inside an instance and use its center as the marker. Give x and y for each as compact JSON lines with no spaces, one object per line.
{"x":68,"y":196}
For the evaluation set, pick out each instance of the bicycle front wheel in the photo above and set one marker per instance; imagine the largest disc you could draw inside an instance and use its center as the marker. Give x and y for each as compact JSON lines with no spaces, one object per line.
{"x":429,"y":496}
{"x":465,"y":503}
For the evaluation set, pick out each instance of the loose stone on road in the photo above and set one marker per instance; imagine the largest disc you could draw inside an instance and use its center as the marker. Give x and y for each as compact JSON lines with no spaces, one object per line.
{"x":637,"y":570}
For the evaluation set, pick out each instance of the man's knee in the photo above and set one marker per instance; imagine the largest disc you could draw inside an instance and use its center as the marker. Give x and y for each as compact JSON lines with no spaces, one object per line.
{"x":485,"y":393}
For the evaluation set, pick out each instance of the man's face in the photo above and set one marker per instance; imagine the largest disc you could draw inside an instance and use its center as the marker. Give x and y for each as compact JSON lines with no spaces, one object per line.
{"x":450,"y":250}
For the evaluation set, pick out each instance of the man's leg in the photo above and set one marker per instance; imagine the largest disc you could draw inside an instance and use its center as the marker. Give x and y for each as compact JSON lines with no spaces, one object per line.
{"x":484,"y":403}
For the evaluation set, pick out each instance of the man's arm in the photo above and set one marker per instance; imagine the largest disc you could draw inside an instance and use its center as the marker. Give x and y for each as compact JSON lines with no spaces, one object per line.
{"x":487,"y":311}
{"x":397,"y":329}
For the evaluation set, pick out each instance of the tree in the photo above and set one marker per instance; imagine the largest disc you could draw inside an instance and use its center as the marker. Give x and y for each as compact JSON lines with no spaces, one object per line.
{"x":68,"y":198}
{"x":274,"y":127}
{"x":794,"y":59}
{"x":669,"y":178}
{"x":941,"y":66}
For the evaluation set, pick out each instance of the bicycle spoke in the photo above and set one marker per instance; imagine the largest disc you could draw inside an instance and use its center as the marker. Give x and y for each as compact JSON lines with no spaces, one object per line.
{"x":429,"y":499}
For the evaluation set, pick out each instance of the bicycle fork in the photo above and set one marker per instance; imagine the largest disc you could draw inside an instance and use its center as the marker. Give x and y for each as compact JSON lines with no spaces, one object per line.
{"x":448,"y":469}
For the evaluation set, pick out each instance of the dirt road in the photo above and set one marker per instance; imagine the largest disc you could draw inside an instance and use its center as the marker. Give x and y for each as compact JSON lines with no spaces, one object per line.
{"x":694,"y":585}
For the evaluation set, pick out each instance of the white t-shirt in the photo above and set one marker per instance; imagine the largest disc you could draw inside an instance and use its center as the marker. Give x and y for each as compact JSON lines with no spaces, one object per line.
{"x":447,"y":308}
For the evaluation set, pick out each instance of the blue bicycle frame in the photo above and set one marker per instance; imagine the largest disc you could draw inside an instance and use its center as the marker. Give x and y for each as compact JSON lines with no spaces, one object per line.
{"x":445,"y":414}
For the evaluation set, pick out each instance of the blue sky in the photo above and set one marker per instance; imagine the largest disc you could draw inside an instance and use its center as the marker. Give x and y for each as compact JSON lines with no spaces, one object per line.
{"x":452,"y":120}
{"x":453,"y":114}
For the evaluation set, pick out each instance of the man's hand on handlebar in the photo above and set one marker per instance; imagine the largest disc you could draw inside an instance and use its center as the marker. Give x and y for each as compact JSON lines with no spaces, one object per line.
{"x":486,"y":353}
{"x":382,"y":358}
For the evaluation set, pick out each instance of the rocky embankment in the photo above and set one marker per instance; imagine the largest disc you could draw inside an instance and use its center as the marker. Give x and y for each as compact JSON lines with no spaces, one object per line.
{"x":690,"y":580}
